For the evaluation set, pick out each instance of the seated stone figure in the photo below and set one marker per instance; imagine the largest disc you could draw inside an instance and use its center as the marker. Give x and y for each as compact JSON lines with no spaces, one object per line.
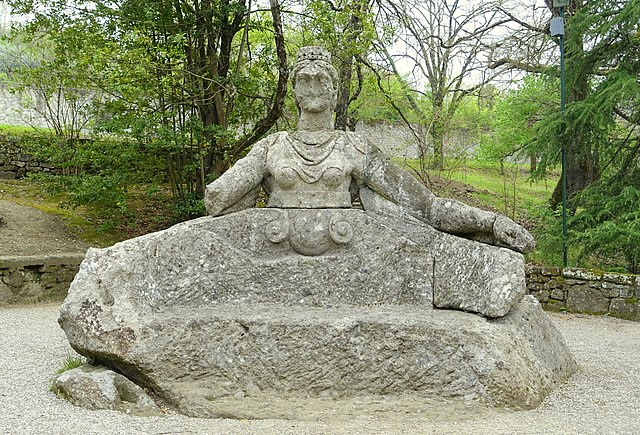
{"x":268,"y":312}
{"x":317,"y":167}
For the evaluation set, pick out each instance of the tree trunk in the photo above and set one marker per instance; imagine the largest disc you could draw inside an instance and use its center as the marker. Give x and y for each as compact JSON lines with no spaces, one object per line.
{"x":344,"y":92}
{"x":345,"y":72}
{"x":533,"y":163}
{"x":437,"y":131}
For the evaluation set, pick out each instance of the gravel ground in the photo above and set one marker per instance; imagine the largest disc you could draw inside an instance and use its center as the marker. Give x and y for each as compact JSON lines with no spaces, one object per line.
{"x":602,"y":398}
{"x":29,"y":231}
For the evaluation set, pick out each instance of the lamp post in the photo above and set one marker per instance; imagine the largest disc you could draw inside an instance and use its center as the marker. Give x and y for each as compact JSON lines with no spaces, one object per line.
{"x":557,"y":29}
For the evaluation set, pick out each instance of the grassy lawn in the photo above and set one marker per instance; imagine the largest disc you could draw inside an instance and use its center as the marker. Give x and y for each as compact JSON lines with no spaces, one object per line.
{"x":510,"y":191}
{"x":17,"y":129}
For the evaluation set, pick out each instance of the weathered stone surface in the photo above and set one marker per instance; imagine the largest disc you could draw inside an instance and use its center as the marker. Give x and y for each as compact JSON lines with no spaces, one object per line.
{"x":467,"y":275}
{"x":585,"y":299}
{"x":28,"y":279}
{"x":100,"y":388}
{"x":613,"y":290}
{"x":310,"y":298}
{"x":626,"y":308}
{"x":234,"y":350}
{"x":462,"y":280}
{"x":231,"y":259}
{"x":213,"y":310}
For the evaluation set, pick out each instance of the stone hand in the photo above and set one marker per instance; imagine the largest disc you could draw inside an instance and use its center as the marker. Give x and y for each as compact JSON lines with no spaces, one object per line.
{"x":511,"y":235}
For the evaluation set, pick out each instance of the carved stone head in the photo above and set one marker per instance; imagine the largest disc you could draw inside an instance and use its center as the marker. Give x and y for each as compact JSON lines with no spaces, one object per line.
{"x":315,"y":80}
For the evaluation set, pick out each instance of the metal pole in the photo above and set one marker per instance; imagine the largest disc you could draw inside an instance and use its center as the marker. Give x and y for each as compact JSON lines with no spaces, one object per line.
{"x":564,"y":153}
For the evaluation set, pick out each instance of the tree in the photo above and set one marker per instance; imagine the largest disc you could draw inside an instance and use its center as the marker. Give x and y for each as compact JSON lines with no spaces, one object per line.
{"x":517,"y":114}
{"x":345,"y":27}
{"x":599,"y":130}
{"x":175,"y":73}
{"x":601,"y":51}
{"x":444,"y":44}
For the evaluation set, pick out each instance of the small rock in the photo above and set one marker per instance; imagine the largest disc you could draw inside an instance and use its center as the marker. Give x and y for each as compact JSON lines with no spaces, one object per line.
{"x":96,"y":387}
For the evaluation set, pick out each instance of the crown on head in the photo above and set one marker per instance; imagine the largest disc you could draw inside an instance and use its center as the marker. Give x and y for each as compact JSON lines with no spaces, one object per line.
{"x":313,"y":53}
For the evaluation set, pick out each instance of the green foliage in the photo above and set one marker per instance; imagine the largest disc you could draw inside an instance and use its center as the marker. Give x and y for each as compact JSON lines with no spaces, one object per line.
{"x":190,"y":207}
{"x":547,"y":230}
{"x":374,"y":104}
{"x":517,"y":114}
{"x":177,"y":81}
{"x":607,"y":229}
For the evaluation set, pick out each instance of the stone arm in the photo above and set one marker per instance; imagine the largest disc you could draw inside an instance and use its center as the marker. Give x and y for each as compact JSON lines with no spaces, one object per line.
{"x":395,"y":184}
{"x":238,"y":188}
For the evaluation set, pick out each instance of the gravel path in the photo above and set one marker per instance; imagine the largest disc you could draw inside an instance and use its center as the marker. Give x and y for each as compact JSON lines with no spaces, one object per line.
{"x":603,"y":398}
{"x":29,"y":231}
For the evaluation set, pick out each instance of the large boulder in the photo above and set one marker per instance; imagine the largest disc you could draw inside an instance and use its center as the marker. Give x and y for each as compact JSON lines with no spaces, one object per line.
{"x":217,"y":314}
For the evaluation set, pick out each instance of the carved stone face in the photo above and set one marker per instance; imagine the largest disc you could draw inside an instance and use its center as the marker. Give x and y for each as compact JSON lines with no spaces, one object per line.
{"x":314,"y":90}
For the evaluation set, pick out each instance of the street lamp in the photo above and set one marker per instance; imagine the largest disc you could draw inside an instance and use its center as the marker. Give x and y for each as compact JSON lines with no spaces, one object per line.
{"x":557,"y":29}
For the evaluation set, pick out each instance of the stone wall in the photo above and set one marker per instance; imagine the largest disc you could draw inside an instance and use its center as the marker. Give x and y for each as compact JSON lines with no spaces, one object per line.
{"x":395,"y":140}
{"x":584,"y":291}
{"x":21,"y":108}
{"x":15,"y":163}
{"x":37,"y":279}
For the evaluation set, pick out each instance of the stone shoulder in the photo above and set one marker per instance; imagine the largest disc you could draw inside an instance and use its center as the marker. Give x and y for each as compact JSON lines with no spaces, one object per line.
{"x":358,"y":142}
{"x":269,"y":141}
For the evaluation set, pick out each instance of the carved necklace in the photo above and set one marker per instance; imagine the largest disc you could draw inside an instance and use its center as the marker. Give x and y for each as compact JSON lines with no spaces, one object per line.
{"x":313,"y":148}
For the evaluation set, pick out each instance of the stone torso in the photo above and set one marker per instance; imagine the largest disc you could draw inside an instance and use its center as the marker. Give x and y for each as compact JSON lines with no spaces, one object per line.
{"x":313,"y":171}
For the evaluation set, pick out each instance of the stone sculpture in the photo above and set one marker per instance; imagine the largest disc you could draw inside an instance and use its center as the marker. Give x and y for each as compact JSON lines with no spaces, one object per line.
{"x":318,"y":167}
{"x":311,"y":299}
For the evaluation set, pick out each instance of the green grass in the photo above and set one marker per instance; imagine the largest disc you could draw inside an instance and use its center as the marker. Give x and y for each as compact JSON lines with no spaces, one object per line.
{"x":510,"y":191}
{"x":16,"y":129}
{"x":515,"y":183}
{"x":82,"y":222}
{"x":71,"y":362}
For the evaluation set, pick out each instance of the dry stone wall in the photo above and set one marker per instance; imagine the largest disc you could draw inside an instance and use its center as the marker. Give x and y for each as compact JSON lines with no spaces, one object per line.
{"x":37,"y":279}
{"x":16,"y":163}
{"x":585,"y":291}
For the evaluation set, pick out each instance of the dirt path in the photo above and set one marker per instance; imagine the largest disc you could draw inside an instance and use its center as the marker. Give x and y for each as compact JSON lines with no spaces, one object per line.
{"x":29,"y":231}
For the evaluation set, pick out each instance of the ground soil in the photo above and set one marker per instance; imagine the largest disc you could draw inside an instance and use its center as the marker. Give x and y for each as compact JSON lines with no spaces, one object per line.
{"x":29,"y":231}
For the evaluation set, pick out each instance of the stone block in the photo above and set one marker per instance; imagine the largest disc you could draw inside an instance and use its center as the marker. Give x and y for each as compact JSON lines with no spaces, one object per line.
{"x":541,"y":296}
{"x":554,"y":283}
{"x":200,"y":357}
{"x":229,"y":308}
{"x":613,"y":290}
{"x":628,"y":292}
{"x":492,"y":278}
{"x":8,"y":175}
{"x":619,"y":278}
{"x":581,"y":274}
{"x":558,"y":293}
{"x":95,"y":387}
{"x":625,"y":308}
{"x":587,"y":300}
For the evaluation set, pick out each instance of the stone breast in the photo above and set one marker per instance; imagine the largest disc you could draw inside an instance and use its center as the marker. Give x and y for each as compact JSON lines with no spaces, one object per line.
{"x":309,"y":176}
